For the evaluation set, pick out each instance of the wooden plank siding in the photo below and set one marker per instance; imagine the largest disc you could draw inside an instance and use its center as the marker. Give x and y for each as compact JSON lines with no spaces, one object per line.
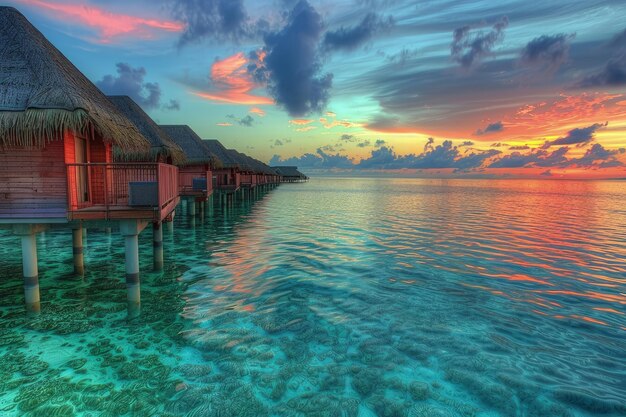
{"x":99,"y":152}
{"x":186,"y":176}
{"x":33,"y":183}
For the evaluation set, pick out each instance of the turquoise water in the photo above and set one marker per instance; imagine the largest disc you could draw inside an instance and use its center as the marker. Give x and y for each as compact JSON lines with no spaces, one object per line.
{"x":339,"y":297}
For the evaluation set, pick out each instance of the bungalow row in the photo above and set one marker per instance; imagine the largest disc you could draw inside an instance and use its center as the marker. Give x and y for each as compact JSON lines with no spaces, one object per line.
{"x":290,"y":174}
{"x":69,"y":155}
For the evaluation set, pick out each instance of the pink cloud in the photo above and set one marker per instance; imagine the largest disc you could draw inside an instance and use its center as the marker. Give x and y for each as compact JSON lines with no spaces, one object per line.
{"x":259,"y":112}
{"x":328,"y":124}
{"x":301,"y":122}
{"x":108,"y":25}
{"x":232,"y":82}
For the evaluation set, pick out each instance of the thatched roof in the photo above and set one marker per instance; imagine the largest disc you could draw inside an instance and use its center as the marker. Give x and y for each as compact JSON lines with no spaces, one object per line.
{"x":267,"y":169}
{"x":242,"y":160}
{"x":289,"y":171}
{"x":193,"y":147}
{"x":217,"y":149}
{"x":161,"y":145}
{"x":42,"y":94}
{"x":259,"y":167}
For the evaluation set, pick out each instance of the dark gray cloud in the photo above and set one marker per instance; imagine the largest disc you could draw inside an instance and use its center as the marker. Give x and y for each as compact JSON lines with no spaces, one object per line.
{"x":498,"y":145}
{"x":519,"y":148}
{"x":278,"y":142}
{"x":383,"y":123}
{"x":579,"y":136}
{"x":448,"y":156}
{"x":491,"y":128}
{"x":598,"y":156}
{"x":540,"y":158}
{"x":379,"y":143}
{"x":595,"y":157}
{"x":349,"y":39}
{"x":466,"y":143}
{"x":469,"y":47}
{"x":548,"y":52}
{"x":129,"y":81}
{"x":474,"y":160}
{"x":292,"y":66}
{"x":172,"y":105}
{"x":247,"y":121}
{"x":546,"y":173}
{"x":440,"y":156}
{"x":612,"y":75}
{"x":429,"y":144}
{"x":348,"y":138}
{"x":364,"y":144}
{"x":319,"y":160}
{"x":417,"y":98}
{"x":383,"y":158}
{"x":211,"y":19}
{"x":619,"y":40}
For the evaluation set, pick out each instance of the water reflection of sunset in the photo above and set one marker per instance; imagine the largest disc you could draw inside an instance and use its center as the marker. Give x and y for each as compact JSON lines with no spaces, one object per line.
{"x":542,"y":243}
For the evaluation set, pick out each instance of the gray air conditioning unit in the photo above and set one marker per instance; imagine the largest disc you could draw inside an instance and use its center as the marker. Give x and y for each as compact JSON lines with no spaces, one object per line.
{"x":143,"y":193}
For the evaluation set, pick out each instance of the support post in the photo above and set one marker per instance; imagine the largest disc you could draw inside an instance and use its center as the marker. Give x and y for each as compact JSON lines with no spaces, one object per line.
{"x":183,"y":206}
{"x":30,"y":272}
{"x":157,"y":245}
{"x":77,"y":251}
{"x":130,"y":229}
{"x":133,"y":285}
{"x":192,"y":206}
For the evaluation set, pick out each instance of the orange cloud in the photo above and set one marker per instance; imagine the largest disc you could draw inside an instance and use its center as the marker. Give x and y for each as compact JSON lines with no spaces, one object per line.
{"x":564,"y":113}
{"x":301,"y":122}
{"x":109,"y":25}
{"x":306,"y":129}
{"x":233,"y":83}
{"x":259,"y":112}
{"x":330,"y":124}
{"x":223,"y":124}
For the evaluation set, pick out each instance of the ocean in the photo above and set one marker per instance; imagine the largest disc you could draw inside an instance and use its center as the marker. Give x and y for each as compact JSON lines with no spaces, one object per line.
{"x":338,"y":297}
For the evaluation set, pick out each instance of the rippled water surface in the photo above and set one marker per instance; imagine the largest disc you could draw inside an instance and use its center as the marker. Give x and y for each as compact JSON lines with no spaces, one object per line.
{"x":340,"y":297}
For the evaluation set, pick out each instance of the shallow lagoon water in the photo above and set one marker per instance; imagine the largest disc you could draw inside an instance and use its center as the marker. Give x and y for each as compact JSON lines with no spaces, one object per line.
{"x":340,"y":297}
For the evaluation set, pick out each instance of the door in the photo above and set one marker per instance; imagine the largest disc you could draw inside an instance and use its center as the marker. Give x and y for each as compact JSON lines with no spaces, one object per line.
{"x":82,"y":175}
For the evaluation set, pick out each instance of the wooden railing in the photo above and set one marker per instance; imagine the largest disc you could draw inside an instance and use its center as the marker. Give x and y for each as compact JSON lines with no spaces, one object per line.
{"x":107,"y":186}
{"x":167,"y":177}
{"x":186,"y":179}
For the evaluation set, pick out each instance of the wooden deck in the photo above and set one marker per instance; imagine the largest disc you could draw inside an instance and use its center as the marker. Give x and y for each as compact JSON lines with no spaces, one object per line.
{"x":227,"y":188}
{"x":122,"y":191}
{"x":101,"y":212}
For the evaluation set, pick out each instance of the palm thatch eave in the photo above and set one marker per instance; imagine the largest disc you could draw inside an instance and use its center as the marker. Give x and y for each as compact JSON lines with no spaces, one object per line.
{"x":162,"y":146}
{"x":43,"y":95}
{"x":34,"y":127}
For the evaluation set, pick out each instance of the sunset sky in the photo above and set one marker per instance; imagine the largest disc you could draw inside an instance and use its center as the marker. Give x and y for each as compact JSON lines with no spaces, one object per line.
{"x":434,"y":88}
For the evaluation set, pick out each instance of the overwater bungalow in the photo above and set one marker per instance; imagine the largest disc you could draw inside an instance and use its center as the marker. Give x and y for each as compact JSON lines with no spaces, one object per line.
{"x":162,"y":147}
{"x":290,"y":174}
{"x":262,"y":174}
{"x":246,"y":168}
{"x":267,"y":174}
{"x":227,"y":178}
{"x":196,"y":174}
{"x":162,"y":150}
{"x":57,"y":133}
